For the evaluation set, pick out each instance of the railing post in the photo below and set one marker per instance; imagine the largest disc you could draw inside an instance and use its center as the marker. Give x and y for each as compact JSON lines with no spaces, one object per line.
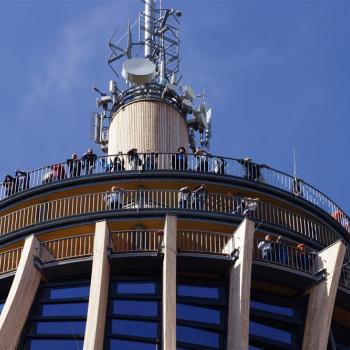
{"x":169,"y":284}
{"x":98,"y":298}
{"x":322,"y":298}
{"x":239,"y":289}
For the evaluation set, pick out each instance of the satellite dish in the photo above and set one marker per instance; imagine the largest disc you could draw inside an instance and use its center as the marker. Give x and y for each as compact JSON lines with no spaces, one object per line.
{"x":208,"y":116}
{"x":187,"y":104}
{"x":139,"y":71}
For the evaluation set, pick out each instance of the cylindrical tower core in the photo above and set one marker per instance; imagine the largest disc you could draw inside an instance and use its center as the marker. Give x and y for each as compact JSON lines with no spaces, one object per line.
{"x":147,"y":125}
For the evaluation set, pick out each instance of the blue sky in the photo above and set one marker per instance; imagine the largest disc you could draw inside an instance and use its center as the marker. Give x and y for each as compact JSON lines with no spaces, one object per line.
{"x":276,"y":73}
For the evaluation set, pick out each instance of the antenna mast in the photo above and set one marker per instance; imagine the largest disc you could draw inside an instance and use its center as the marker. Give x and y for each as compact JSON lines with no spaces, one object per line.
{"x":149,"y":27}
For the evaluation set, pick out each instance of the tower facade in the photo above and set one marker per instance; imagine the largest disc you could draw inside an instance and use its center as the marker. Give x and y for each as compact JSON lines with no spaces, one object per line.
{"x":159,"y":244}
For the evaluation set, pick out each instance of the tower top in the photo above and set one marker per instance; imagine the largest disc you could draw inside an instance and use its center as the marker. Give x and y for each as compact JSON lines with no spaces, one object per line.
{"x":147,"y":57}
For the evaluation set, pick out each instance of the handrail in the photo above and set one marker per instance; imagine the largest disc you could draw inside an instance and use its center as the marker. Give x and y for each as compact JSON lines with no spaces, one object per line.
{"x":126,"y":200}
{"x":70,"y":247}
{"x":286,"y":255}
{"x":9,"y":260}
{"x":136,"y":241}
{"x":202,"y":241}
{"x":170,"y":161}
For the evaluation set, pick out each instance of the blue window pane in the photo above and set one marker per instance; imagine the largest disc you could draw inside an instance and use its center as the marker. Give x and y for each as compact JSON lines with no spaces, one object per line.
{"x":270,"y":332}
{"x":1,"y":306}
{"x":197,"y":337}
{"x":196,"y":313}
{"x":280,"y":310}
{"x":198,"y":292}
{"x":136,"y":288}
{"x":69,"y":309}
{"x":68,"y":292}
{"x":135,"y":328}
{"x":66,"y":327}
{"x":55,"y":344}
{"x":251,"y":347}
{"x":135,"y":308}
{"x":116,"y":344}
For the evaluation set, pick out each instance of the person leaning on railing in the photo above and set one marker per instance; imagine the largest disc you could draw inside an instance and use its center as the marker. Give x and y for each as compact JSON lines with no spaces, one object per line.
{"x":74,"y":165}
{"x":88,"y":161}
{"x":134,"y":159}
{"x":202,"y":158}
{"x":198,"y":197}
{"x":183,"y":197}
{"x":219,"y":165}
{"x":252,"y":171}
{"x":118,"y":163}
{"x":304,"y":260}
{"x":265,"y":248}
{"x":9,"y":184}
{"x":114,"y":198}
{"x":179,"y":160}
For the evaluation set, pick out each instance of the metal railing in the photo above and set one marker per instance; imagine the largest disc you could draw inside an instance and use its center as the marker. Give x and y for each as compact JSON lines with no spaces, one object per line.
{"x":176,"y":162}
{"x":9,"y":260}
{"x":286,"y":255}
{"x":70,"y":247}
{"x":125,"y":200}
{"x":202,"y":242}
{"x":136,"y":241}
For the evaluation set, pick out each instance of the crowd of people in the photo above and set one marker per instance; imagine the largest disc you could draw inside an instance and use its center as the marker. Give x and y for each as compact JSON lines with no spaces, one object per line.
{"x":276,"y":250}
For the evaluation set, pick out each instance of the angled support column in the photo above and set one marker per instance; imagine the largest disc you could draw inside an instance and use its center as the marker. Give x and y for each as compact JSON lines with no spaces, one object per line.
{"x":240,"y":279}
{"x":22,"y":293}
{"x":98,"y":298}
{"x":169,"y":284}
{"x":322,"y":297}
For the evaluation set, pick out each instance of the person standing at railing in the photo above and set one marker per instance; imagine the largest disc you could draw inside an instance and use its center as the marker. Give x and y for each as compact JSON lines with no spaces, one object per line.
{"x":304,"y":261}
{"x":114,"y":198}
{"x":118,"y":163}
{"x":252,"y":171}
{"x":179,"y":160}
{"x":297,"y":187}
{"x":88,"y":161}
{"x":9,"y":184}
{"x":265,"y":248}
{"x":202,"y":160}
{"x":150,"y":161}
{"x":56,"y":172}
{"x":281,"y":253}
{"x":219,"y":165}
{"x":198,"y":197}
{"x":134,"y":159}
{"x":183,"y":197}
{"x":74,"y":165}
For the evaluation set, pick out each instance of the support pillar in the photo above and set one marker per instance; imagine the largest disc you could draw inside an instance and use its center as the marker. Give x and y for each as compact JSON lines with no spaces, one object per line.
{"x":169,"y":284}
{"x":22,"y":293}
{"x":322,"y":298}
{"x":239,"y":290}
{"x":98,"y":298}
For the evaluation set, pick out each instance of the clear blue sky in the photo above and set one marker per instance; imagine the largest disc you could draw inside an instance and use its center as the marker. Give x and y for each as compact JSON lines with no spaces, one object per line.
{"x":276,"y":73}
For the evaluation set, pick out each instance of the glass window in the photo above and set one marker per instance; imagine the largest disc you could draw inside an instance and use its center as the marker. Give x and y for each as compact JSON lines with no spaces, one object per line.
{"x":135,"y":308}
{"x":67,"y":292}
{"x":196,"y":313}
{"x":64,"y":309}
{"x":197,"y":336}
{"x":55,"y":344}
{"x":130,"y":345}
{"x":280,"y":310}
{"x":66,"y":327}
{"x":268,"y":332}
{"x":135,"y":288}
{"x":198,"y":291}
{"x":135,"y":328}
{"x":1,"y":306}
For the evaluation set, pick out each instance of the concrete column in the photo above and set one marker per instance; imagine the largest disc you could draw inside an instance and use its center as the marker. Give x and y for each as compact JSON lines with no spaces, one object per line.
{"x":322,"y":297}
{"x":98,"y":298}
{"x":240,"y":280}
{"x":22,"y":293}
{"x":169,"y":284}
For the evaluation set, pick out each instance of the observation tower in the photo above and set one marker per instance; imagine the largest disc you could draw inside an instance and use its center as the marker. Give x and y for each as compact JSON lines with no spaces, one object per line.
{"x":158,"y":244}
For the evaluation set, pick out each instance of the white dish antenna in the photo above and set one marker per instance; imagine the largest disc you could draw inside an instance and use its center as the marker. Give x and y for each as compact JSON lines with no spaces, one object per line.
{"x":139,"y":71}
